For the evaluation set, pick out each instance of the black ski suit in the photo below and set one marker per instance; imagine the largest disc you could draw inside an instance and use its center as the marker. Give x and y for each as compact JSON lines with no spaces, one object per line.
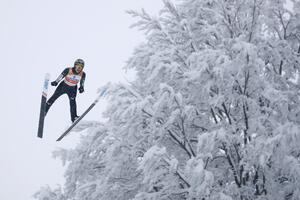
{"x":71,"y":91}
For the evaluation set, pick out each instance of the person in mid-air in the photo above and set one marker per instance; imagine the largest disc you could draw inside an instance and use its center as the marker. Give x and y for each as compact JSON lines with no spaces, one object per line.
{"x":72,"y":76}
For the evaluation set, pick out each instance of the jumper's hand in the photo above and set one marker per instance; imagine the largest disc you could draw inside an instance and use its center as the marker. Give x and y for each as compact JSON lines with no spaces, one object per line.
{"x":54,"y":83}
{"x":81,"y":89}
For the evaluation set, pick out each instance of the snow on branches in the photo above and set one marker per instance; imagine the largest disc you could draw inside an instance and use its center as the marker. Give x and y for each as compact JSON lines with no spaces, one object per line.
{"x":213,"y":113}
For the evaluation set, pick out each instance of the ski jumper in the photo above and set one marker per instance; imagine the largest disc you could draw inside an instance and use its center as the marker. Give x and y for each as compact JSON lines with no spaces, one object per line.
{"x":69,"y":87}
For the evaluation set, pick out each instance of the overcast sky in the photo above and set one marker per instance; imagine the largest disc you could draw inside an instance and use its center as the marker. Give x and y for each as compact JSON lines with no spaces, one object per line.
{"x":39,"y":36}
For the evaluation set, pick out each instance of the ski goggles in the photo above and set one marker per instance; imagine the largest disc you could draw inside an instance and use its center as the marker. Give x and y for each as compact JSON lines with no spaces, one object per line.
{"x":79,"y":66}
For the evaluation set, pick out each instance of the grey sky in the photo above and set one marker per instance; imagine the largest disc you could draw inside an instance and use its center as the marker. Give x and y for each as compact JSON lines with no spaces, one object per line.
{"x":39,"y":36}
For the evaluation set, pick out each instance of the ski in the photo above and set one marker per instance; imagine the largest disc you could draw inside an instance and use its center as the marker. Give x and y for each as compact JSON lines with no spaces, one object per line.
{"x":43,"y":106}
{"x":86,"y":112}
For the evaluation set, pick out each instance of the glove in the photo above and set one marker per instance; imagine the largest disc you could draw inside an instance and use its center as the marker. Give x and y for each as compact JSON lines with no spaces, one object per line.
{"x":54,"y":83}
{"x":81,"y":89}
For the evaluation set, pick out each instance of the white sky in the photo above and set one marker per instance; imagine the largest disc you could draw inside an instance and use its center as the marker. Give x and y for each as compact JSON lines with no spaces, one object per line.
{"x":39,"y":36}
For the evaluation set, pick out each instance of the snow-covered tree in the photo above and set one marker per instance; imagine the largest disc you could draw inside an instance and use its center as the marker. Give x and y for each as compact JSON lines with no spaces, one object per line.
{"x":212,"y":114}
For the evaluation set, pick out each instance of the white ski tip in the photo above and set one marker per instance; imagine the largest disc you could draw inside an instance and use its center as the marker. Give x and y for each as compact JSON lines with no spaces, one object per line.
{"x":47,"y":76}
{"x":103,"y":91}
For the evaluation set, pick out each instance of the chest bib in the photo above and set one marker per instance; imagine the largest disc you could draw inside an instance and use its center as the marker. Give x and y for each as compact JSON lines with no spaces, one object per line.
{"x":72,"y":79}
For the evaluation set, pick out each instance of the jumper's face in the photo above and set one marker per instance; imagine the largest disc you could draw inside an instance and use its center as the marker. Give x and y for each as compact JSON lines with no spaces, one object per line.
{"x":78,"y":68}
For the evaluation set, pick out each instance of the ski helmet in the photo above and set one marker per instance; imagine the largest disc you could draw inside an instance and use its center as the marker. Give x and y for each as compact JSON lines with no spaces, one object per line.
{"x":79,"y":61}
